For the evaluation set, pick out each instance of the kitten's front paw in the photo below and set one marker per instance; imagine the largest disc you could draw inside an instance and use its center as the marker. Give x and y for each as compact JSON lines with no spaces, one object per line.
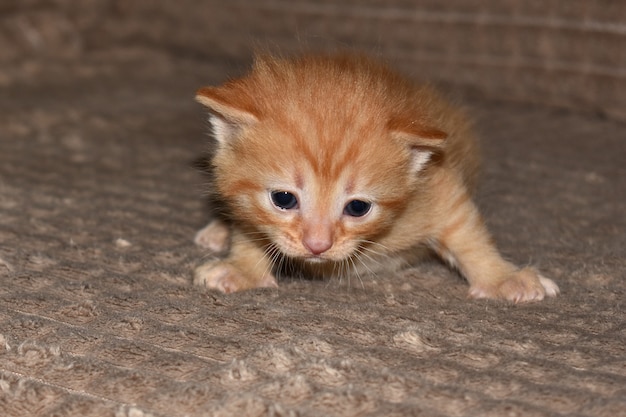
{"x":522,"y":286}
{"x":226,"y":278}
{"x":214,"y":237}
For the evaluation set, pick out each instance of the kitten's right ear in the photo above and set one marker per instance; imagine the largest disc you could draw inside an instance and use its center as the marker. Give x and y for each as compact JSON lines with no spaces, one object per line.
{"x":422,"y":139}
{"x":231,"y":111}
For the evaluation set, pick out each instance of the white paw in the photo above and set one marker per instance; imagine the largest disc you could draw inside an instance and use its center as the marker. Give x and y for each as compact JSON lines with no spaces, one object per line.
{"x":522,"y":286}
{"x":226,"y":278}
{"x":552,"y":290}
{"x":217,"y":275}
{"x":214,"y":237}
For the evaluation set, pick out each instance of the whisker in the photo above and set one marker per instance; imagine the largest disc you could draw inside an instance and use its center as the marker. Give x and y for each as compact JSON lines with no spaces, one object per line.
{"x":366,"y":245}
{"x":356,"y":270}
{"x":329,"y":280}
{"x":265,"y":256}
{"x":279,"y":262}
{"x":372,"y":243}
{"x":275,"y":258}
{"x":348,"y":270}
{"x":371,"y":258}
{"x":339,"y":270}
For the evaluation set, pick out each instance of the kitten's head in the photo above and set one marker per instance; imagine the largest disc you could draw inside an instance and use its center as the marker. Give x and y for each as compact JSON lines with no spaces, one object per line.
{"x":320,"y":153}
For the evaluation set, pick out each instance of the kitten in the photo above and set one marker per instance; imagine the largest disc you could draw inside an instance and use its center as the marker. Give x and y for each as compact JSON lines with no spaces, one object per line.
{"x":336,"y":165}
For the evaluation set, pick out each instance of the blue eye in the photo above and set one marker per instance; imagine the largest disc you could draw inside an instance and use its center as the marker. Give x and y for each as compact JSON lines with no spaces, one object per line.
{"x":284,"y":200}
{"x":357,"y":208}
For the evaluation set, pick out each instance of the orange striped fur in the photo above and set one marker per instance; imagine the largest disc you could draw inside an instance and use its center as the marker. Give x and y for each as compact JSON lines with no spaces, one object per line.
{"x":341,"y":134}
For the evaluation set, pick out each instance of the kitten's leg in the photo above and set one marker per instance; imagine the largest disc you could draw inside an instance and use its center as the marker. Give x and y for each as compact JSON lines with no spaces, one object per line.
{"x":465,"y":243}
{"x":245,"y":267}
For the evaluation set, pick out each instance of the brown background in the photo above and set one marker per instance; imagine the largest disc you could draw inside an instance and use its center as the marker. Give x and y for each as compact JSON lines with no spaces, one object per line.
{"x":99,"y":203}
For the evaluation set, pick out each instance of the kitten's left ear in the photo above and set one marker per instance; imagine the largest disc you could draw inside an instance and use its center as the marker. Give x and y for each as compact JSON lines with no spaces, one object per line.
{"x":424,"y":141}
{"x":231,"y":108}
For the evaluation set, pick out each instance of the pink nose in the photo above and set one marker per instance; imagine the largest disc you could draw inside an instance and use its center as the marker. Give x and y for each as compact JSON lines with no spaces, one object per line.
{"x":317,"y":244}
{"x":317,"y":236}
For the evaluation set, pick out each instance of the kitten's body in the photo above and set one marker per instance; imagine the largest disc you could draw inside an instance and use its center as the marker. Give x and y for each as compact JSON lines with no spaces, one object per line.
{"x":344,"y":167}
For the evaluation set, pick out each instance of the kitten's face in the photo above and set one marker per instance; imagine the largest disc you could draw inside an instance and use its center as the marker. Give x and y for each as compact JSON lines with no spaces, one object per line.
{"x":320,"y":156}
{"x":316,"y":196}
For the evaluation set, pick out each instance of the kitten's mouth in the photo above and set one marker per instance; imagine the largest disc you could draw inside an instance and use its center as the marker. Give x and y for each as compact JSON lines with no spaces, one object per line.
{"x":321,"y":259}
{"x":318,"y":259}
{"x":315,"y":259}
{"x":312,"y":258}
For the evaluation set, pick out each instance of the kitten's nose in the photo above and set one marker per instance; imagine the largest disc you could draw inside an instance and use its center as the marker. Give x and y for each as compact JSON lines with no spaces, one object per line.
{"x":317,"y":239}
{"x":317,"y":246}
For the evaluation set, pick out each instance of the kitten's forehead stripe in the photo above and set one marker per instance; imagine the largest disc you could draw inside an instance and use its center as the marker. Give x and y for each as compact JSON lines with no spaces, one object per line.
{"x":246,"y":185}
{"x":349,"y":189}
{"x":299,"y":180}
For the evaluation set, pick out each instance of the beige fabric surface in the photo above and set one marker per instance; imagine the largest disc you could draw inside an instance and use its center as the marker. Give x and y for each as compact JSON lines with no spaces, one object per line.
{"x":99,"y":202}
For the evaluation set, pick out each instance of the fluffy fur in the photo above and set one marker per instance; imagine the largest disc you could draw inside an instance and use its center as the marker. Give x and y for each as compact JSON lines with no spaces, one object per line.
{"x":378,"y":168}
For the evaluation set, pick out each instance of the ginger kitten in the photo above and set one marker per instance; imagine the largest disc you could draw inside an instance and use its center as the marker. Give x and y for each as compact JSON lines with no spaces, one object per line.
{"x":336,"y":165}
